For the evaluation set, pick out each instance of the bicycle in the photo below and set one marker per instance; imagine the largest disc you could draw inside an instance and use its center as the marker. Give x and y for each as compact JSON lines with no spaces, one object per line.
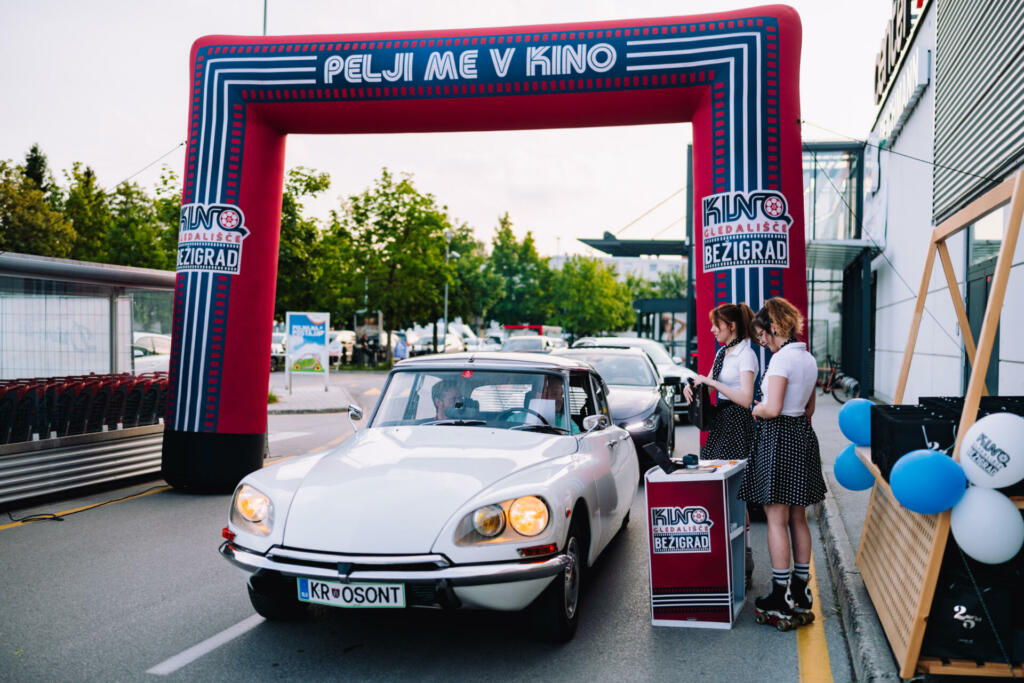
{"x":832,"y":381}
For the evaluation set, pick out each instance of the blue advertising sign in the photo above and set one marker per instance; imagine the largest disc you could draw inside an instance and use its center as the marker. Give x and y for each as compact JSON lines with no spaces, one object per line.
{"x":306,"y":343}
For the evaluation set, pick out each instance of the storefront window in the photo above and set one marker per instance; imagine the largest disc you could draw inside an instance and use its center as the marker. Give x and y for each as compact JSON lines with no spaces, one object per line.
{"x":831,"y":190}
{"x":986,"y":235}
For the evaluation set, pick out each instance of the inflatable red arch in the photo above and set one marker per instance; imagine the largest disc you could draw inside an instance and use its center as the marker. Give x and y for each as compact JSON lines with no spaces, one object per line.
{"x":734,"y":76}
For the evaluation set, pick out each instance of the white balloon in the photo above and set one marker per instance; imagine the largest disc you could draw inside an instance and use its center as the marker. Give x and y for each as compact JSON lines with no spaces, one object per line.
{"x":987,"y":525}
{"x":992,"y":453}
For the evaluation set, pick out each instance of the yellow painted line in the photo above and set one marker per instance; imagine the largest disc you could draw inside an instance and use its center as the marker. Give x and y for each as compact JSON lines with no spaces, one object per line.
{"x":84,"y":507}
{"x":811,"y":648}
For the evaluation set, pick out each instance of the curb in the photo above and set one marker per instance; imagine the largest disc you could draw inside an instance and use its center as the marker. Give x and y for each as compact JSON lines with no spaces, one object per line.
{"x":870,"y":654}
{"x":304,"y":411}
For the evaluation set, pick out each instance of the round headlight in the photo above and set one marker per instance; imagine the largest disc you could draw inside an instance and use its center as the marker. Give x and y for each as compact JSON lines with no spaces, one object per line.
{"x":251,"y":504}
{"x":528,"y":515}
{"x":489,"y":521}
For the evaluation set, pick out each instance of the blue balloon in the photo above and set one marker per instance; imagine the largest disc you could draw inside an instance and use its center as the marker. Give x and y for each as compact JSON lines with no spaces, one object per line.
{"x":927,"y":481}
{"x":855,"y":421}
{"x":850,"y":471}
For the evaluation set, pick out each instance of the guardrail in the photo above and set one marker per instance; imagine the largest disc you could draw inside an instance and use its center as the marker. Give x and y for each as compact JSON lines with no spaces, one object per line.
{"x":39,"y":468}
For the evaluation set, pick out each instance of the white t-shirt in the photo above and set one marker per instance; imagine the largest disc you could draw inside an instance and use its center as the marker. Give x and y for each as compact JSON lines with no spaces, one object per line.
{"x":740,"y":358}
{"x":800,"y":369}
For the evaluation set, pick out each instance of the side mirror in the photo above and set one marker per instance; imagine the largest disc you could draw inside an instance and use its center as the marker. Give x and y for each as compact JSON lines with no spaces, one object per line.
{"x":355,"y":412}
{"x":592,"y":422}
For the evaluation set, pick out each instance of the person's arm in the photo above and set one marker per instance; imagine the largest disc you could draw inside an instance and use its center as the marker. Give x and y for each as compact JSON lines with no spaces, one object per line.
{"x":742,"y":396}
{"x":809,"y":410}
{"x":774,"y":394}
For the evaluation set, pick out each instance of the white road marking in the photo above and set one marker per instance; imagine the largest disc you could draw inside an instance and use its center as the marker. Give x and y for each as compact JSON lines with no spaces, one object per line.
{"x":281,"y":436}
{"x":196,"y":651}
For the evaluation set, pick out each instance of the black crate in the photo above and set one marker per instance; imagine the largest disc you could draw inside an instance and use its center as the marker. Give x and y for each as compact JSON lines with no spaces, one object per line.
{"x":897,"y":430}
{"x":967,"y":612}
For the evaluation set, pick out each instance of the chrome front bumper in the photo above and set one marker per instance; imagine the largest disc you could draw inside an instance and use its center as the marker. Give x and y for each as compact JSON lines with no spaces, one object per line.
{"x":463,"y":575}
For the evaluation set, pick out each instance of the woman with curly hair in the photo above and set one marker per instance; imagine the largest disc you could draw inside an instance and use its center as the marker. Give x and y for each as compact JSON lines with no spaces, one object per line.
{"x":784,"y":469}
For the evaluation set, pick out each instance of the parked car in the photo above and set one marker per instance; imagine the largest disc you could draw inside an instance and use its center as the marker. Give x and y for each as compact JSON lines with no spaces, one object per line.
{"x":425,"y":345}
{"x":150,"y":352}
{"x":492,"y":505}
{"x":533,"y":343}
{"x":672,"y":371}
{"x":277,"y":351}
{"x":638,"y":396}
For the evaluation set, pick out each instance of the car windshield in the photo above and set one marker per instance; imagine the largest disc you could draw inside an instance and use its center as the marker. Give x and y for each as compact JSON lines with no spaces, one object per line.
{"x":617,"y":368}
{"x":654,"y":349}
{"x":523,"y":344}
{"x":522,"y":400}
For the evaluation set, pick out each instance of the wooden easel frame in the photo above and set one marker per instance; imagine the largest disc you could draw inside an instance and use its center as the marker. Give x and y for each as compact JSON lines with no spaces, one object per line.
{"x":876,"y":558}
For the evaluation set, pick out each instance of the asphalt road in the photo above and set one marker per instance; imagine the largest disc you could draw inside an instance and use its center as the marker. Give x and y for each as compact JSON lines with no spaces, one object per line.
{"x":135,"y":590}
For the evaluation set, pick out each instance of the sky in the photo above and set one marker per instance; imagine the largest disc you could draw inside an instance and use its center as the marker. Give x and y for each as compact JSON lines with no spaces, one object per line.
{"x":66,"y":63}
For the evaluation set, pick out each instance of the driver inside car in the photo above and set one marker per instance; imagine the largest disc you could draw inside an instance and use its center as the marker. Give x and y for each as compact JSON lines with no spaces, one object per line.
{"x":551,"y":406}
{"x":449,"y":402}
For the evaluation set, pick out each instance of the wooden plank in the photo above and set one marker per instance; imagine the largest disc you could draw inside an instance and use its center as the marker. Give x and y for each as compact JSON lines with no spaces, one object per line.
{"x":993,"y":309}
{"x":924,"y":603}
{"x":981,"y":206}
{"x":958,"y":304}
{"x":958,"y":667}
{"x":915,"y":324}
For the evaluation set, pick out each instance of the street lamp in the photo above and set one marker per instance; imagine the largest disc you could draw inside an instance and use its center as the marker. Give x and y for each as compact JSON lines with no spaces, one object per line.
{"x":447,"y":254}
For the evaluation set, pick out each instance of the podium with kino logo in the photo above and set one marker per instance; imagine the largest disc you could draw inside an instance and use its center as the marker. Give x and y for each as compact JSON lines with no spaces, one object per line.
{"x":696,"y":534}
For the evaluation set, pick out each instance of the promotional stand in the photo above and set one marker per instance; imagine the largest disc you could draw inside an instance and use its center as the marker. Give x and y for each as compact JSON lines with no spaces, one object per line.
{"x":697,"y":535}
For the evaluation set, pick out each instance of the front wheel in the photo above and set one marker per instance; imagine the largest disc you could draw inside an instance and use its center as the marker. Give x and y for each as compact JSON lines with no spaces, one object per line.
{"x":556,"y":612}
{"x":844,"y":388}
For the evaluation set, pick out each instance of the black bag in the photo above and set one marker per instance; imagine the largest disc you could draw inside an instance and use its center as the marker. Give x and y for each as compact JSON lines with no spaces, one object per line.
{"x":701,"y":410}
{"x":897,"y":430}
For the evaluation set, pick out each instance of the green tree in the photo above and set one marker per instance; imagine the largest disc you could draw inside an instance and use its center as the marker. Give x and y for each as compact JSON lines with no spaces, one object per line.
{"x":398,"y":243}
{"x":641,"y":288}
{"x":134,"y":235}
{"x":590,"y":299}
{"x":474,"y":288}
{"x":525,"y":276}
{"x":37,"y":169}
{"x":86,"y":206}
{"x":299,"y":272}
{"x":672,"y":284}
{"x":167,"y":211}
{"x":28,"y":223}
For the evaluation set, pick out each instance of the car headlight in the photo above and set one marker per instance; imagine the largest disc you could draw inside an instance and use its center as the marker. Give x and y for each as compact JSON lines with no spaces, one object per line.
{"x":489,"y":521}
{"x":648,"y":424}
{"x":508,"y":521}
{"x":528,"y":515}
{"x":252,"y":511}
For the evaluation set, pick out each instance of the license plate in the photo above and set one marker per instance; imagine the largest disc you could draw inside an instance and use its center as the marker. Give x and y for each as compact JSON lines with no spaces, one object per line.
{"x":351,"y":594}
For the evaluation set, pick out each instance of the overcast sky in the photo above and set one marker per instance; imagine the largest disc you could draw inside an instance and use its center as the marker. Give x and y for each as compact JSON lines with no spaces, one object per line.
{"x":65,"y":65}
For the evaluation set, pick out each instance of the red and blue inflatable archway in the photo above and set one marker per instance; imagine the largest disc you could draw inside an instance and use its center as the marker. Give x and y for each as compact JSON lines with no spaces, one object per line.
{"x":733,"y":75}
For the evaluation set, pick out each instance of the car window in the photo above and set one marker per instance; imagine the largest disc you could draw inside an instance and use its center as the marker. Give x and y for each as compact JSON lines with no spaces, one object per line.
{"x":146,"y":343}
{"x":581,"y":397}
{"x":470,"y":397}
{"x":161,"y":345}
{"x":618,"y":368}
{"x":523,"y":344}
{"x":600,"y":397}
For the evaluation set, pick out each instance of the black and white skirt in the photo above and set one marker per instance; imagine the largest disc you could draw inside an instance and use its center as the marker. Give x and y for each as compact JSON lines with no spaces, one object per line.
{"x":784,"y":464}
{"x":731,"y":433}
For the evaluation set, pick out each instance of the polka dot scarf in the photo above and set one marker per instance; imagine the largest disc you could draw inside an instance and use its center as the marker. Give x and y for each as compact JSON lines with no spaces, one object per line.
{"x":716,"y":369}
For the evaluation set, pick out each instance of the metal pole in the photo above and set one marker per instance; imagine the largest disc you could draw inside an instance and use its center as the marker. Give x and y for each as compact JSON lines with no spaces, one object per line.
{"x":264,"y":17}
{"x":447,"y":252}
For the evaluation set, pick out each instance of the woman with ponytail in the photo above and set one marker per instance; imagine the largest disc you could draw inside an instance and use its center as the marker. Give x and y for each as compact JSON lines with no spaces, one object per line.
{"x":784,"y":468}
{"x":731,"y":432}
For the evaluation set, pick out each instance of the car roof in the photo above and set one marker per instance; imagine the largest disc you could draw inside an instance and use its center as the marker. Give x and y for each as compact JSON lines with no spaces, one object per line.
{"x":494,"y":360}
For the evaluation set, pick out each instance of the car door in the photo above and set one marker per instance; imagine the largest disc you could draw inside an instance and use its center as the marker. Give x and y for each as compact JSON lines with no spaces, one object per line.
{"x":624,"y":463}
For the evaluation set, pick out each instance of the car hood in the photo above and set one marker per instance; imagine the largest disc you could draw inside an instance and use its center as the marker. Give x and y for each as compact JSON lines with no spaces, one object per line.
{"x":674,"y":370}
{"x":391,"y":490}
{"x":627,"y":401}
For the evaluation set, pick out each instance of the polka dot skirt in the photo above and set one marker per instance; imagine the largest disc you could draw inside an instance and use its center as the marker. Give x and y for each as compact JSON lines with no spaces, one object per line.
{"x":784,"y":464}
{"x":731,"y":434}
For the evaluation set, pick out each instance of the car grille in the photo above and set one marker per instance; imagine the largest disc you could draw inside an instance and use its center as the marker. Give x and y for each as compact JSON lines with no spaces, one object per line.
{"x":312,"y":558}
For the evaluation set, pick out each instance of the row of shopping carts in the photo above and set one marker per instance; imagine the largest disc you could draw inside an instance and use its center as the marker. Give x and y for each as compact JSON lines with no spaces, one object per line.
{"x":53,"y":407}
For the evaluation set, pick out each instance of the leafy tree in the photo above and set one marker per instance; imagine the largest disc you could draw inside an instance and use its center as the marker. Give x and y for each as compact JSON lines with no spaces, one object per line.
{"x":28,"y":223}
{"x":641,"y":288}
{"x":398,"y":244}
{"x":525,"y":278}
{"x":167,"y":211}
{"x":86,"y":206}
{"x":474,"y":289}
{"x":134,"y":235}
{"x":589,"y":299}
{"x":297,"y":266}
{"x":672,"y":284}
{"x":37,"y":169}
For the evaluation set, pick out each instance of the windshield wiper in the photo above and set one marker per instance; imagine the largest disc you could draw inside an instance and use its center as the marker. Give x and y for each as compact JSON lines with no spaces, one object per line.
{"x":459,"y":423}
{"x":540,"y":427}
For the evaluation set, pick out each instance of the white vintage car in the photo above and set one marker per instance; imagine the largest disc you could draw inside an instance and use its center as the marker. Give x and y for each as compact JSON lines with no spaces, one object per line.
{"x":483,"y":480}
